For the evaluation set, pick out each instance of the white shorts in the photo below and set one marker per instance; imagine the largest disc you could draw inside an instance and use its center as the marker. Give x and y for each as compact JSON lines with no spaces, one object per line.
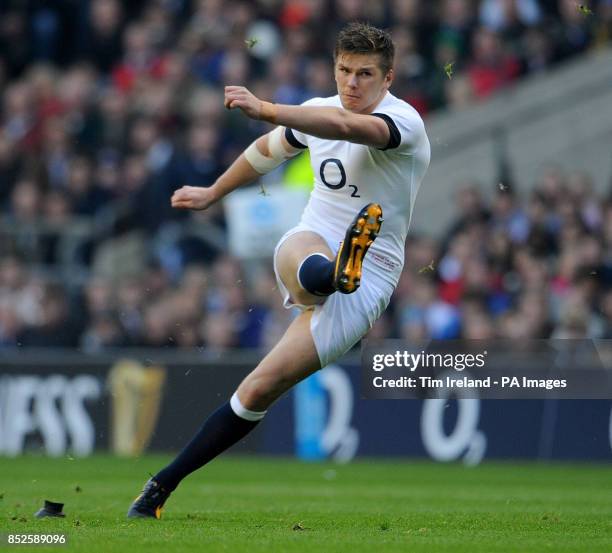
{"x":339,"y":323}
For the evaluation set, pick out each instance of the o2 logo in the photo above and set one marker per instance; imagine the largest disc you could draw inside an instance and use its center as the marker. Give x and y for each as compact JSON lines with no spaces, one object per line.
{"x":339,"y":438}
{"x":464,"y":441}
{"x":333,"y":175}
{"x":323,"y":413}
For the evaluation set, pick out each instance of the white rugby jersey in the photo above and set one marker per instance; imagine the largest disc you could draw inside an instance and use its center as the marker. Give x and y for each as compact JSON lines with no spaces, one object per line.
{"x":348,"y":176}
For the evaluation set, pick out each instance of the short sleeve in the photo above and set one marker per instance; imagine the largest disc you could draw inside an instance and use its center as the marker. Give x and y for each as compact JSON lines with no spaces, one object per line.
{"x":296,"y":138}
{"x":298,"y":141}
{"x":405,"y":129}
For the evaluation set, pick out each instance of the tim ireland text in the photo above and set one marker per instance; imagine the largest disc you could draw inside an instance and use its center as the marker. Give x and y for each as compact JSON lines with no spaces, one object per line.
{"x":467,"y":382}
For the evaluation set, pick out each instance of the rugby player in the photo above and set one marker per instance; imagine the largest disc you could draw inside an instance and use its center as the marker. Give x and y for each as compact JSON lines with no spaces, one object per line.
{"x":369,"y":153}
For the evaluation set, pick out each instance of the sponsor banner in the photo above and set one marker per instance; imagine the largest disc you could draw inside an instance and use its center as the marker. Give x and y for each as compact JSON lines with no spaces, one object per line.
{"x":52,"y":411}
{"x":487,"y":369}
{"x":450,"y":427}
{"x":75,"y":404}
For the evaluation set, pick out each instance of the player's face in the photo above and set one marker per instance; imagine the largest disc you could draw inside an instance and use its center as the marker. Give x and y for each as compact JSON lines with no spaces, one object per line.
{"x":361,"y":82}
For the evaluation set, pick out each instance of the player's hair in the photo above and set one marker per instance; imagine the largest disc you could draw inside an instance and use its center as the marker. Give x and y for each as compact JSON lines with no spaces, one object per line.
{"x":363,"y":38}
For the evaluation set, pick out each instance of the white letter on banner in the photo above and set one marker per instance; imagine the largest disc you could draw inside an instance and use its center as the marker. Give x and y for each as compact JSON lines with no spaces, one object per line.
{"x":50,"y":423}
{"x":17,"y":420}
{"x":80,"y":426}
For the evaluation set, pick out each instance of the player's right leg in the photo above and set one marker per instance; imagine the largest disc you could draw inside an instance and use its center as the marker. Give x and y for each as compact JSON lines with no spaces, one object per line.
{"x":360,"y":235}
{"x":310,"y":272}
{"x":293,"y":253}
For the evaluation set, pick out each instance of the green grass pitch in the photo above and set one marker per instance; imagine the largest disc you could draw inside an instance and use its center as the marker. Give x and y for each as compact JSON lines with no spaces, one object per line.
{"x":265,"y":505}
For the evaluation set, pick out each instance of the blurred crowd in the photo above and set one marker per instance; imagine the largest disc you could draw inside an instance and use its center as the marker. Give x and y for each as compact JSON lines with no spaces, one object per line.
{"x":508,"y":267}
{"x":107,"y":107}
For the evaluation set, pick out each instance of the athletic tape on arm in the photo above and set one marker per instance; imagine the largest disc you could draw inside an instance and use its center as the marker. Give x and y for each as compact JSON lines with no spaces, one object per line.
{"x":264,"y":164}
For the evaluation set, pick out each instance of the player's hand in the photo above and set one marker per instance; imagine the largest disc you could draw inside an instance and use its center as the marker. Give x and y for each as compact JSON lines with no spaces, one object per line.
{"x":193,"y":197}
{"x":241,"y":98}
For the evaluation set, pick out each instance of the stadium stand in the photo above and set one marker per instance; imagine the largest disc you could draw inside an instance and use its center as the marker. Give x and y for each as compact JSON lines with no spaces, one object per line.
{"x":107,"y":107}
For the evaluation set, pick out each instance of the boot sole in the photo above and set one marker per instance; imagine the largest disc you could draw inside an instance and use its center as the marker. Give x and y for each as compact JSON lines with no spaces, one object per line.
{"x":359,"y":237}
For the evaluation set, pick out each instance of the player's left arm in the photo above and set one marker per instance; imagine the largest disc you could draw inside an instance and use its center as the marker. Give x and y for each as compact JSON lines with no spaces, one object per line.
{"x":322,"y":121}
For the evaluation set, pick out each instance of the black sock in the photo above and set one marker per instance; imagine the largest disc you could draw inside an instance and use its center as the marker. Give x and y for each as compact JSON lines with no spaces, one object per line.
{"x":316,"y":275}
{"x":219,"y":432}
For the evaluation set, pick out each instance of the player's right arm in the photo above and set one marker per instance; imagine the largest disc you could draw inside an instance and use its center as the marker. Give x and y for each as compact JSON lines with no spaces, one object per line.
{"x":263,"y":155}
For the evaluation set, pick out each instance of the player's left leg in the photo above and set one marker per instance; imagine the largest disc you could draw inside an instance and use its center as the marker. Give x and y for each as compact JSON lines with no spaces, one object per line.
{"x":290,"y":361}
{"x":293,"y":359}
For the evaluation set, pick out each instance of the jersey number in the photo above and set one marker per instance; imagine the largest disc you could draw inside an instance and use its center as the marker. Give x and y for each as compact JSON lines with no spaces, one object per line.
{"x":342,"y":181}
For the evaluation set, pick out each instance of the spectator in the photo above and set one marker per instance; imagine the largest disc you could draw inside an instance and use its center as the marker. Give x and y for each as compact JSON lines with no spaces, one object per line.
{"x":510,"y":17}
{"x":491,"y":68}
{"x":100,"y":38}
{"x":56,"y":326}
